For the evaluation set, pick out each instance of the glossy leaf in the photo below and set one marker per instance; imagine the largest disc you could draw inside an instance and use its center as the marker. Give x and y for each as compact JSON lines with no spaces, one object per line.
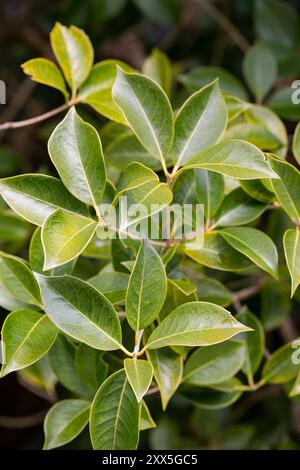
{"x":211,"y":290}
{"x":91,"y":366}
{"x":44,"y":71}
{"x":291,"y":243}
{"x":139,"y":374}
{"x":146,"y":420}
{"x":111,"y":284}
{"x":296,"y":143}
{"x":158,"y":67}
{"x":280,"y":366}
{"x":209,"y":191}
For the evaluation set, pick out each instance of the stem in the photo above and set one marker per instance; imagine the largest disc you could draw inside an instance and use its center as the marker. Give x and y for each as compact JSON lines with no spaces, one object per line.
{"x":12,"y":422}
{"x":35,"y":120}
{"x":138,"y":338}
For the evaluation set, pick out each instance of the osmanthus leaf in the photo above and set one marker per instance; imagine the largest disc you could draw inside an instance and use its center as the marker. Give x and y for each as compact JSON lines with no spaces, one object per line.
{"x":214,"y":364}
{"x":65,"y":236}
{"x":147,"y":288}
{"x":235,"y":106}
{"x":238,"y":208}
{"x":81,"y":311}
{"x":260,"y":70}
{"x":167,"y":369}
{"x":65,"y":421}
{"x":254,"y":342}
{"x":139,"y":99}
{"x":254,"y":244}
{"x":234,"y":158}
{"x":18,"y":279}
{"x":183,"y":285}
{"x":199,"y":124}
{"x":257,"y":190}
{"x":216,"y":253}
{"x":135,"y":175}
{"x":62,"y":358}
{"x":256,"y":134}
{"x":280,"y":367}
{"x":97,"y":89}
{"x":76,"y":151}
{"x":158,"y":67}
{"x":26,"y":335}
{"x":139,"y":374}
{"x":146,"y":420}
{"x":44,"y":71}
{"x":90,"y":366}
{"x":212,"y":290}
{"x":275,"y":304}
{"x":35,"y":197}
{"x":291,"y":243}
{"x":37,"y":258}
{"x":286,"y":188}
{"x":40,"y":375}
{"x":74,"y":53}
{"x":296,"y":143}
{"x":209,"y":399}
{"x":9,"y":302}
{"x":195,"y":324}
{"x":115,"y":415}
{"x":296,"y":387}
{"x":209,"y":191}
{"x":111,"y":284}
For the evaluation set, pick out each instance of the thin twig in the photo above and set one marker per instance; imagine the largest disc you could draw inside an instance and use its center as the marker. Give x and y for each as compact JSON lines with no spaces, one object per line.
{"x":153,"y":390}
{"x":21,"y":422}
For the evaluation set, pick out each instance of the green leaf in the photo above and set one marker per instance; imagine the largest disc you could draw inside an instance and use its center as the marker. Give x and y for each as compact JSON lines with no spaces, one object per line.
{"x":64,"y":237}
{"x":260,"y":70}
{"x":286,"y":188}
{"x":75,"y":149}
{"x":296,"y":387}
{"x":35,"y":197}
{"x":167,"y":369}
{"x":200,"y":76}
{"x":139,"y":374}
{"x":256,"y":134}
{"x":139,"y":98}
{"x":238,"y":209}
{"x":80,"y":311}
{"x":65,"y":421}
{"x":275,"y":304}
{"x":280,"y":367}
{"x":97,"y":89}
{"x":195,"y":324}
{"x":115,"y":415}
{"x":27,"y":335}
{"x":74,"y":53}
{"x":199,"y":124}
{"x":216,"y":253}
{"x":257,"y":190}
{"x":210,"y":399}
{"x":234,"y":158}
{"x":147,"y":288}
{"x":90,"y":366}
{"x":214,"y":364}
{"x":283,"y":104}
{"x":62,"y":357}
{"x":18,"y":279}
{"x":111,"y":284}
{"x":291,"y":243}
{"x":211,"y":290}
{"x":296,"y":143}
{"x":209,"y":191}
{"x":235,"y":106}
{"x":44,"y":71}
{"x":254,"y":342}
{"x":146,"y":420}
{"x":254,"y":244}
{"x":158,"y":67}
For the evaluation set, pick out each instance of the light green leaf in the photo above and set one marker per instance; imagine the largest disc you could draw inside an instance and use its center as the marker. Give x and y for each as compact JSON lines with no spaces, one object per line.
{"x":75,"y":149}
{"x":238,"y":209}
{"x":65,"y":421}
{"x":296,"y":143}
{"x":35,"y":197}
{"x":146,"y":420}
{"x":111,"y":284}
{"x":209,"y":191}
{"x":147,"y":288}
{"x":234,"y":158}
{"x":256,"y":134}
{"x":280,"y":367}
{"x":44,"y":71}
{"x":254,"y":244}
{"x":257,"y":190}
{"x":235,"y":106}
{"x":26,"y":336}
{"x":195,"y":324}
{"x":64,"y":237}
{"x":139,"y":98}
{"x":296,"y":387}
{"x":199,"y":124}
{"x":80,"y":311}
{"x":260,"y":70}
{"x":115,"y":415}
{"x":211,"y":290}
{"x":214,"y":364}
{"x":254,"y":342}
{"x":286,"y":188}
{"x":74,"y":53}
{"x":18,"y":279}
{"x":158,"y":67}
{"x":139,"y":374}
{"x":97,"y":89}
{"x":291,"y":243}
{"x":216,"y":253}
{"x":167,"y":369}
